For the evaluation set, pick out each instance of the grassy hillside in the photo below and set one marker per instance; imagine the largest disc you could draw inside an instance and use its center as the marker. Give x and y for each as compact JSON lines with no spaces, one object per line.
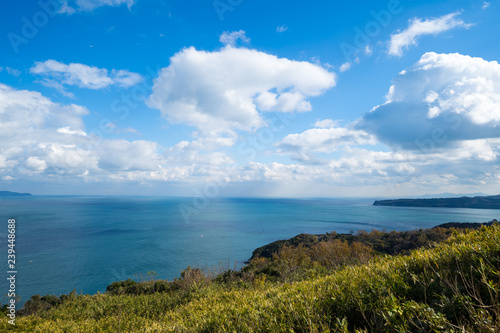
{"x":340,"y":287}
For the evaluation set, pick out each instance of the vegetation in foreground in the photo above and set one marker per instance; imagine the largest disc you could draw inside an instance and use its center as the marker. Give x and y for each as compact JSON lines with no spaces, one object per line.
{"x":329,"y":286}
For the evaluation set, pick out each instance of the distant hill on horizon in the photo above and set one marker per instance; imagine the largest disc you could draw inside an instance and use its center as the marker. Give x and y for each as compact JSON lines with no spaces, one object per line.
{"x":13,"y":194}
{"x":480,"y":202}
{"x":447,"y":195}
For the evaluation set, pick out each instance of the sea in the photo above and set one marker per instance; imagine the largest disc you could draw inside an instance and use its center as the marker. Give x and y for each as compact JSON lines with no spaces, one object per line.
{"x":84,"y":243}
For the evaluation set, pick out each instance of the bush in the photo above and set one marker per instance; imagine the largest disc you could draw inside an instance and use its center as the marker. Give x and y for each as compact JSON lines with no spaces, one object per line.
{"x":38,"y":304}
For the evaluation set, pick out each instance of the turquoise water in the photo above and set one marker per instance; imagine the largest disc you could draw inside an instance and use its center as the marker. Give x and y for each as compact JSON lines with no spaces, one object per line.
{"x":86,"y":243}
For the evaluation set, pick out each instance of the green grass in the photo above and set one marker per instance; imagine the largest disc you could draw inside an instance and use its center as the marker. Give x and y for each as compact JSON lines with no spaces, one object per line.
{"x":451,"y":287}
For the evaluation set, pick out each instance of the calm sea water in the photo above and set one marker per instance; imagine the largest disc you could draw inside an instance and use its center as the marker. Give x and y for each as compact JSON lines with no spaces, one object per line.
{"x":86,"y":243}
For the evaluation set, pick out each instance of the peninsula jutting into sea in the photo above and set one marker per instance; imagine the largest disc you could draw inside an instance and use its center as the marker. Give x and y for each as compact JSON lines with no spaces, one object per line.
{"x":482,"y":202}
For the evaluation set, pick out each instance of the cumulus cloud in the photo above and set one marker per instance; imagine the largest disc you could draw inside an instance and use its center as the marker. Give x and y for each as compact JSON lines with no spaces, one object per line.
{"x":439,"y":123}
{"x":58,"y":75}
{"x":125,"y":156}
{"x":328,"y":138}
{"x":437,"y":130}
{"x":40,"y":138}
{"x":440,"y":102}
{"x":23,"y":110}
{"x":231,"y":38}
{"x":417,"y":27}
{"x":223,"y":91}
{"x":43,"y":141}
{"x":30,"y":124}
{"x":439,"y":126}
{"x":358,"y":171}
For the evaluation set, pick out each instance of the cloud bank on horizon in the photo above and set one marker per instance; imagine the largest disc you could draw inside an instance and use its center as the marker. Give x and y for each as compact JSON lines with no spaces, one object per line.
{"x":253,"y":121}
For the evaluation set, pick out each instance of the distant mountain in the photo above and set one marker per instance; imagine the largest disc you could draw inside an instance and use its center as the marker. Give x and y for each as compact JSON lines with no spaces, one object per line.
{"x":13,"y":194}
{"x":483,"y":202}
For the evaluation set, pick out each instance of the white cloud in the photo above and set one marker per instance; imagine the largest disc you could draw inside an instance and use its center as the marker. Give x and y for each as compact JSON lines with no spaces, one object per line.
{"x":402,"y":40}
{"x":231,"y":38}
{"x":90,"y":5}
{"x":441,"y":102}
{"x":125,"y":78}
{"x":45,"y":142}
{"x":66,"y":9}
{"x":446,"y":103}
{"x":326,"y":123}
{"x":35,"y":164}
{"x":222,"y":91}
{"x":118,"y":130}
{"x":322,"y":140}
{"x":40,"y":140}
{"x":67,"y":130}
{"x":345,"y":67}
{"x":58,"y":75}
{"x":455,"y":148}
{"x":368,"y":50}
{"x":24,"y":110}
{"x":358,"y":171}
{"x":30,"y":125}
{"x":57,"y":86}
{"x":282,"y":28}
{"x":486,"y":5}
{"x":13,"y":71}
{"x":348,"y":65}
{"x":192,"y":154}
{"x":125,"y":156}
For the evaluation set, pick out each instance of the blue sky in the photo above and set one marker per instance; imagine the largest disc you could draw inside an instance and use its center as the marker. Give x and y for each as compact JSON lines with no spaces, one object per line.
{"x":250,"y":98}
